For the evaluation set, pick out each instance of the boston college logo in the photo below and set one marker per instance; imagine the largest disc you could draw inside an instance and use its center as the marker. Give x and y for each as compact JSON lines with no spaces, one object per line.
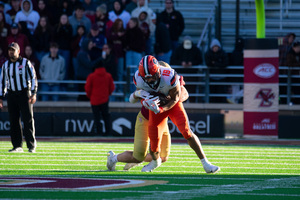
{"x":267,"y":96}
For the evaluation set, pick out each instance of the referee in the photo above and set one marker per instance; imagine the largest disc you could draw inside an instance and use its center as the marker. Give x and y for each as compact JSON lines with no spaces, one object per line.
{"x":18,"y":82}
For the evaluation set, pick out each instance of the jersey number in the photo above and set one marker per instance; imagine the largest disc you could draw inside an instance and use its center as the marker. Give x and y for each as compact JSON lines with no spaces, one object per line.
{"x":166,"y":73}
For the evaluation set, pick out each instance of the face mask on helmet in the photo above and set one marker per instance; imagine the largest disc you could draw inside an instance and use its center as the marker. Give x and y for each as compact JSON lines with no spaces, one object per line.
{"x":153,"y":81}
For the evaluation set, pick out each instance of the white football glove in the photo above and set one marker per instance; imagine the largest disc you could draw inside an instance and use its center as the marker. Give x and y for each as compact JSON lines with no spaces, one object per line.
{"x":141,"y":94}
{"x":152,"y":104}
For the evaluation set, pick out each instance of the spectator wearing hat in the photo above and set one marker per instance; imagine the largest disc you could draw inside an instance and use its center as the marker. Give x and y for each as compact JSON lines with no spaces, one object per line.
{"x":52,"y":68}
{"x":187,"y":55}
{"x":78,"y":18}
{"x":98,"y":39}
{"x":17,"y":37}
{"x":101,"y":19}
{"x":99,"y":86}
{"x":27,"y":14}
{"x":20,"y":91}
{"x":216,"y":60}
{"x":118,"y":12}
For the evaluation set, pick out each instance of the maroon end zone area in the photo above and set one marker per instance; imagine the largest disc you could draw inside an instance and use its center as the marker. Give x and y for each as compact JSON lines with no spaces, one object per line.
{"x":174,"y":140}
{"x":58,"y":183}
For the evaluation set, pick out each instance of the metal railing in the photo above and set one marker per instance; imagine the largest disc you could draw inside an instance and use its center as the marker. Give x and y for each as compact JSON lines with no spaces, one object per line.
{"x":289,"y":82}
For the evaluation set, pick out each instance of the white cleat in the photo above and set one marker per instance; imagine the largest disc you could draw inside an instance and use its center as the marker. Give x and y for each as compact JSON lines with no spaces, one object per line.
{"x":152,"y":165}
{"x":128,"y":166}
{"x":111,"y":166}
{"x":211,"y":169}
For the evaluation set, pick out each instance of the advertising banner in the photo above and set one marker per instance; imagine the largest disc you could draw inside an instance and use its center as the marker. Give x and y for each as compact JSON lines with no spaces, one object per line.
{"x":261,"y":93}
{"x":82,"y":124}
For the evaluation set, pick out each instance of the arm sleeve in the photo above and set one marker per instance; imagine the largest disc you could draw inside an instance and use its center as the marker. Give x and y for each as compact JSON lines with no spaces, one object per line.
{"x":33,"y":78}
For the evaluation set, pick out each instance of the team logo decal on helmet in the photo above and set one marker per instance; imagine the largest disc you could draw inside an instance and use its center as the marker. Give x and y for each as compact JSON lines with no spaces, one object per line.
{"x":148,"y":66}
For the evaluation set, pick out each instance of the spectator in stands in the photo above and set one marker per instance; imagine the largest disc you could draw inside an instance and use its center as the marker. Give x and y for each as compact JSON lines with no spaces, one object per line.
{"x":293,"y":60}
{"x":17,"y":37}
{"x":42,"y":37}
{"x":65,"y":8}
{"x":90,"y":8}
{"x":44,"y":12}
{"x":145,"y":27}
{"x":98,"y":39}
{"x":62,"y":36}
{"x":217,"y":61}
{"x":134,"y":43}
{"x":287,"y":44}
{"x":174,"y":21}
{"x":4,"y":28}
{"x":101,"y":19}
{"x":75,"y":46}
{"x":29,"y":54}
{"x":53,"y":7}
{"x":237,"y":59}
{"x":142,"y":6}
{"x":131,"y":6}
{"x":99,"y":86}
{"x":109,"y":61}
{"x":116,"y":38}
{"x":15,"y":7}
{"x":118,"y":12}
{"x":6,"y":17}
{"x":52,"y":68}
{"x":78,"y":18}
{"x":3,"y":57}
{"x":187,"y":55}
{"x":85,"y":65}
{"x":27,"y":14}
{"x":163,"y":43}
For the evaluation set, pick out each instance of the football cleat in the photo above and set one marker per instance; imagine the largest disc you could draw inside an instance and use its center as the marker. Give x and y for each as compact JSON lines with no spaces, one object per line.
{"x":111,"y":166}
{"x":128,"y":166}
{"x":152,"y":165}
{"x":211,"y":169}
{"x":16,"y":150}
{"x":31,"y":150}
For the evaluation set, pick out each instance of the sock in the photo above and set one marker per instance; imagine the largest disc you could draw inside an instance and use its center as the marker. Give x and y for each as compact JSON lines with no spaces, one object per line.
{"x":115,"y":158}
{"x":204,"y":161}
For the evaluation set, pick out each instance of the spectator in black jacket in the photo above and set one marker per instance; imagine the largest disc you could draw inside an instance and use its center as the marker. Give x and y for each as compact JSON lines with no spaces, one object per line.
{"x":187,"y":55}
{"x":216,"y":60}
{"x":163,"y":43}
{"x":174,"y":21}
{"x":63,"y":37}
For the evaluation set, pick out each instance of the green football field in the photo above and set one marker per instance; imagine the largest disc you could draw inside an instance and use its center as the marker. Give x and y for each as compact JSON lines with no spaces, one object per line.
{"x":77,"y":170}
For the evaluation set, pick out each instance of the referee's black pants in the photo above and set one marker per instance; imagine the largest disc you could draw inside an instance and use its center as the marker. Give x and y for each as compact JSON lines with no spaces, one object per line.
{"x":18,"y":105}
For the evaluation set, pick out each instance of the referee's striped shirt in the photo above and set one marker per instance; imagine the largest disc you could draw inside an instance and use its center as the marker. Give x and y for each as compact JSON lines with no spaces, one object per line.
{"x":17,"y":76}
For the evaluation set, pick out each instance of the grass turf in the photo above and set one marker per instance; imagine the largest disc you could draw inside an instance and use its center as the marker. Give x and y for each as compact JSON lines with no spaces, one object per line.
{"x":247,"y":172}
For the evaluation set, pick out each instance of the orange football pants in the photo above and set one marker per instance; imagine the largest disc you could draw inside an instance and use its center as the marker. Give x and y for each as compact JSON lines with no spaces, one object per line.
{"x":157,"y":121}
